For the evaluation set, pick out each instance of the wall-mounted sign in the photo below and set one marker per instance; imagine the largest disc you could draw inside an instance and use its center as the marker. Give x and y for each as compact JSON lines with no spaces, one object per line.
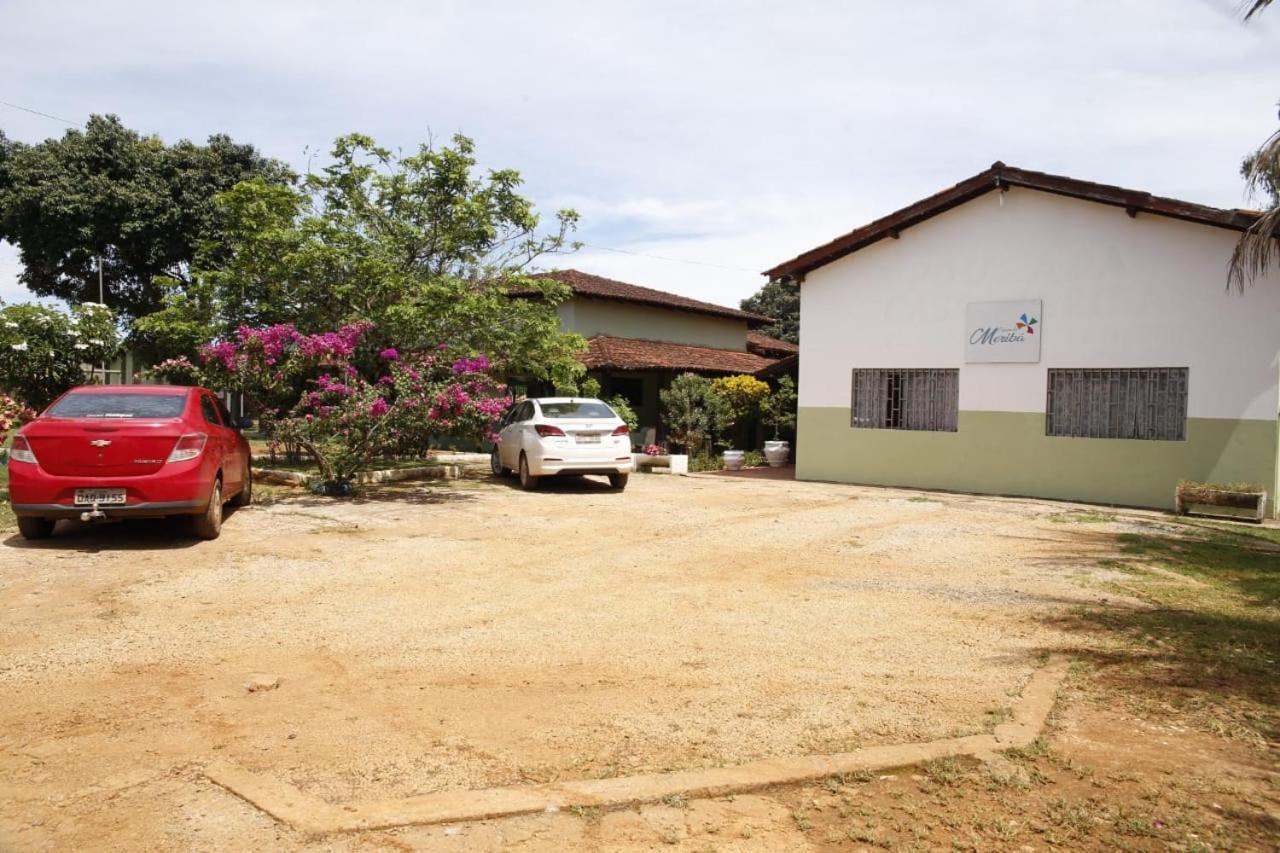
{"x":1003,"y":331}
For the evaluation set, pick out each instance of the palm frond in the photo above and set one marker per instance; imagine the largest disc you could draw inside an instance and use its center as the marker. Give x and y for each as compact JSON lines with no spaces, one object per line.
{"x":1259,"y":246}
{"x":1255,"y":7}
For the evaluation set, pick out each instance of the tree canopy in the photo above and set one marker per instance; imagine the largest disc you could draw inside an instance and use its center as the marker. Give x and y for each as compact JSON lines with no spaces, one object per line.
{"x":780,"y":300}
{"x":107,"y":191}
{"x":425,"y":245}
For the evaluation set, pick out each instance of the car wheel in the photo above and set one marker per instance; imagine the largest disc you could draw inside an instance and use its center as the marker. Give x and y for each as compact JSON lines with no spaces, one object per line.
{"x":35,"y":528}
{"x":618,"y":482}
{"x":244,"y":497}
{"x":208,"y":524}
{"x":528,"y":482}
{"x":495,"y":463}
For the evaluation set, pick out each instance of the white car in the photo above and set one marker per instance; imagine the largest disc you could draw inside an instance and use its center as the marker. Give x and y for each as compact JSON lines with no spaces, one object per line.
{"x":551,"y":436}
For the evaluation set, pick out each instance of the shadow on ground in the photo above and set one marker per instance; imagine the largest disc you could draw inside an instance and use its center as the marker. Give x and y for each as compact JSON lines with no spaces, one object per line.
{"x":126,"y":534}
{"x":1209,"y":646}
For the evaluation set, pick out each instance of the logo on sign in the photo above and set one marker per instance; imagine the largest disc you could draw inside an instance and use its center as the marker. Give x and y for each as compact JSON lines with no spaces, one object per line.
{"x":1003,"y":331}
{"x":1024,"y":326}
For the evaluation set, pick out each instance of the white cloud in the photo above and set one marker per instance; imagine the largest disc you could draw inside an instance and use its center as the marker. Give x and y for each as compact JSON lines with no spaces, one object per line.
{"x":736,"y":133}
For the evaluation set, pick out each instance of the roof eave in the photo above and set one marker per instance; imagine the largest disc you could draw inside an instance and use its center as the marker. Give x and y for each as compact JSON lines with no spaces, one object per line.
{"x":1000,"y":176}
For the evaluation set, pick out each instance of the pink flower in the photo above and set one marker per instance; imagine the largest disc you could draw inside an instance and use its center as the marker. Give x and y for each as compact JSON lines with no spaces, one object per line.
{"x":390,"y":354}
{"x":379,"y":408}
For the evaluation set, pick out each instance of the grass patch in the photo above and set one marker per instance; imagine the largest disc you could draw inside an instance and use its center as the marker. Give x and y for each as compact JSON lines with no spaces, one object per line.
{"x":1208,"y":651}
{"x":946,"y":771}
{"x":7,"y":518}
{"x":1081,"y":517}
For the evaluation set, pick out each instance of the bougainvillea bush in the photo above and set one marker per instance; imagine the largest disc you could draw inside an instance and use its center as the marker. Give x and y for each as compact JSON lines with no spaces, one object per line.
{"x":12,"y":415}
{"x":44,"y":351}
{"x":344,"y":402}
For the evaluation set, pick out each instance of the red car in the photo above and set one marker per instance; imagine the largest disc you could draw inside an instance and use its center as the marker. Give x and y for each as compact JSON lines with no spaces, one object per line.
{"x":129,"y":451}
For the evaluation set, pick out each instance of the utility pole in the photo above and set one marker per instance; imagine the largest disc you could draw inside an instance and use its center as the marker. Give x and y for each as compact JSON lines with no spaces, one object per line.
{"x":102,"y":301}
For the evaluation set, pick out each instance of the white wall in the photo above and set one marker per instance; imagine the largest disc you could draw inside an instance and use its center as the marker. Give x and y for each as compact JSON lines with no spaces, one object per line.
{"x":1118,"y":292}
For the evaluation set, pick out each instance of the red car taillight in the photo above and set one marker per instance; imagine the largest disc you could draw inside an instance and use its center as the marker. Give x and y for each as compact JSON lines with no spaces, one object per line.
{"x":547,"y":430}
{"x":622,"y":430}
{"x":189,"y":446}
{"x":21,"y":450}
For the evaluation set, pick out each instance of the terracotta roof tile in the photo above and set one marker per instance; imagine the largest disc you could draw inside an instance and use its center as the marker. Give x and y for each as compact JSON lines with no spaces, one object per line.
{"x":766,"y":345}
{"x":585,"y":284}
{"x":635,"y":354}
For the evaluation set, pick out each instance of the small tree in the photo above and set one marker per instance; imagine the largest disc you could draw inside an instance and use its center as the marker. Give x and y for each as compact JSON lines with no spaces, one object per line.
{"x":344,"y":401}
{"x":779,"y":410}
{"x":694,"y":413}
{"x":43,"y":351}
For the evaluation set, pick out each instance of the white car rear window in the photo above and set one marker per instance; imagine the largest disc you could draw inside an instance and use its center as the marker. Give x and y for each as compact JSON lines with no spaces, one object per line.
{"x":584,"y":409}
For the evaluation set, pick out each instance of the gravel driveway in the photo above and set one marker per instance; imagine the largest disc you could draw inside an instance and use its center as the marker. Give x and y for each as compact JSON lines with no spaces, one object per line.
{"x":467,"y":635}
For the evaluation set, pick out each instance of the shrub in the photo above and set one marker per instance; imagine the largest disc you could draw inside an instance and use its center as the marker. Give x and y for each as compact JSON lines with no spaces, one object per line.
{"x":12,"y":415}
{"x":744,"y":394}
{"x":43,"y":351}
{"x":346,"y":402}
{"x":695,"y":414}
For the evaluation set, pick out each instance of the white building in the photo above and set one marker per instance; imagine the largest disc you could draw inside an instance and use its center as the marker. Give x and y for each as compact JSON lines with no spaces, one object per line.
{"x":920,"y":364}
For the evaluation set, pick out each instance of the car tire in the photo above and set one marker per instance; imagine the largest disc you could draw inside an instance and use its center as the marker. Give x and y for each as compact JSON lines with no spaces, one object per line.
{"x":495,"y":464}
{"x":244,"y":497}
{"x":618,"y":482}
{"x":208,"y":524}
{"x":35,"y":528}
{"x":528,"y":481}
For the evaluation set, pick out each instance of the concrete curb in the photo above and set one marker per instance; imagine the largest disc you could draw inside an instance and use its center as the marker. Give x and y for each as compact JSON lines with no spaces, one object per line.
{"x":308,"y":814}
{"x":446,"y":471}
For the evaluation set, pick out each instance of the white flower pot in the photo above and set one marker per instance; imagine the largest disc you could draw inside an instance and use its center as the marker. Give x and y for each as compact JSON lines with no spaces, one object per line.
{"x":733,"y":460}
{"x":777,"y":453}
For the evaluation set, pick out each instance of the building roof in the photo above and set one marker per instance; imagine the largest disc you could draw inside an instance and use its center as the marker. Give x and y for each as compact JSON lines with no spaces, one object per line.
{"x":599,"y":287}
{"x":635,"y":354}
{"x":1000,"y":176}
{"x":765,"y":345}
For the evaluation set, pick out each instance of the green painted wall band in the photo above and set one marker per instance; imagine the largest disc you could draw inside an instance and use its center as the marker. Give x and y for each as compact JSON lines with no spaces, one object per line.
{"x":1007,"y":453}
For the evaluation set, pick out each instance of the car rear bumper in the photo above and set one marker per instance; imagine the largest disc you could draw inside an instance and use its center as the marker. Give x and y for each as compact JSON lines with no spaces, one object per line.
{"x":549,"y":467}
{"x":137,"y":510}
{"x":178,"y":488}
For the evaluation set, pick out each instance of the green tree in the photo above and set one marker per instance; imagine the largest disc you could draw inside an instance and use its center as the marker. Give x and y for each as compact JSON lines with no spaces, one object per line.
{"x":781,"y":301}
{"x":695,"y":415}
{"x":109,"y":192}
{"x":424,"y":245}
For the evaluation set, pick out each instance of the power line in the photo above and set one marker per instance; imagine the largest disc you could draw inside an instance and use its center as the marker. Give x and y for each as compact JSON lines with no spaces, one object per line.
{"x":672,"y":260}
{"x":65,"y":121}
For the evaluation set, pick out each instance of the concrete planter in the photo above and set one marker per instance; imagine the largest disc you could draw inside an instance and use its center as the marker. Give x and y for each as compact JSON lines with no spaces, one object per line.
{"x":674,"y":463}
{"x":733,"y":460}
{"x":777,"y":453}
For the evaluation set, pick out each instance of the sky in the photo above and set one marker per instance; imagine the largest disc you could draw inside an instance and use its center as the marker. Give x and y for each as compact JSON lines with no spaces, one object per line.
{"x":700,"y":142}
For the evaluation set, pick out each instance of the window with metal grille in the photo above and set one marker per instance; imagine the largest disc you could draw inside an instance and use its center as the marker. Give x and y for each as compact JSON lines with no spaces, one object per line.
{"x":907,"y":398}
{"x":1143,"y":402}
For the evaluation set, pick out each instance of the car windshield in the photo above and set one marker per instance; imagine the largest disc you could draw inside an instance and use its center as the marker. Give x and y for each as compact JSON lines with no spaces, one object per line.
{"x":123,"y":405}
{"x":577,"y":409}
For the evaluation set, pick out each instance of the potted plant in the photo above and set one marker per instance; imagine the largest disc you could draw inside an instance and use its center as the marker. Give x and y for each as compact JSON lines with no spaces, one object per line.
{"x":778,"y":411}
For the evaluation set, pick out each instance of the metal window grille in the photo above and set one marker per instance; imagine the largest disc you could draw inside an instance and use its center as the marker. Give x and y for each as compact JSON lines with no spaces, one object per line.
{"x":908,"y":398}
{"x":1144,"y":403}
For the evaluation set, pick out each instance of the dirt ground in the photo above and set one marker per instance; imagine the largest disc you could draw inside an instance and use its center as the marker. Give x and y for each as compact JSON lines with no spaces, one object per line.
{"x":466,"y":635}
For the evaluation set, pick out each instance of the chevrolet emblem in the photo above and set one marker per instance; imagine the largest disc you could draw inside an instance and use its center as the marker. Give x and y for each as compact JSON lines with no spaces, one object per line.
{"x":100,"y":442}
